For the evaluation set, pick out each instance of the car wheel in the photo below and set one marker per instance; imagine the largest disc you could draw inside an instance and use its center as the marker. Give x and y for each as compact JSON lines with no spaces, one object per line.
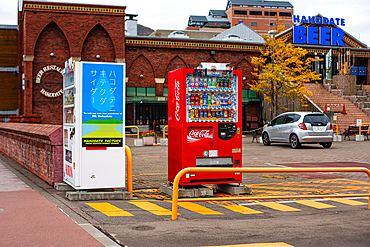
{"x":266,"y":139}
{"x":294,"y":141}
{"x":326,"y":144}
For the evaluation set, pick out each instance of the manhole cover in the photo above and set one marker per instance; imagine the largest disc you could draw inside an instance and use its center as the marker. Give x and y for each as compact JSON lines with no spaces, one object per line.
{"x":1,"y":210}
{"x":143,"y":228}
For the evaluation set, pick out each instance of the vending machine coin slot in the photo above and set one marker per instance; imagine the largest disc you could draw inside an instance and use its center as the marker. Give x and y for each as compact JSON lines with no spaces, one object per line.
{"x":226,"y":131}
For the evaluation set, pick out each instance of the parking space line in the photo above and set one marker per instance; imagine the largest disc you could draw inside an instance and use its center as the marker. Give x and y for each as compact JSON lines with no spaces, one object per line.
{"x":314,"y":204}
{"x":151,"y":207}
{"x":194,"y":207}
{"x":278,"y":206}
{"x":347,"y":201}
{"x":109,"y":209}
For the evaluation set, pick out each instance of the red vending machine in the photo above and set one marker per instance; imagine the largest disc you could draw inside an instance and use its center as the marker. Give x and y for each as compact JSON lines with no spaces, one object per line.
{"x":204,"y":123}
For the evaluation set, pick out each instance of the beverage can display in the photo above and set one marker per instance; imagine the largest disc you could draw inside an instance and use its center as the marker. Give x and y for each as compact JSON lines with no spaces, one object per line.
{"x":217,"y":114}
{"x":192,"y":114}
{"x":209,"y":115}
{"x":205,"y":103}
{"x":196,"y":98}
{"x":201,"y":113}
{"x":213,"y":114}
{"x":225,"y":84}
{"x":192,"y":99}
{"x":225,"y":114}
{"x":196,"y":113}
{"x":200,"y":100}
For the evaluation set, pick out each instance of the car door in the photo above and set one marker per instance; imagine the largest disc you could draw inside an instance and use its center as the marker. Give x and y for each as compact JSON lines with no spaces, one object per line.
{"x":275,"y":128}
{"x":287,"y":127}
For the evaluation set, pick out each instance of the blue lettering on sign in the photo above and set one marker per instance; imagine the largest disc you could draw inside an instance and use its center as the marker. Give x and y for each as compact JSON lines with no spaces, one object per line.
{"x":313,"y":35}
{"x":316,"y":35}
{"x":319,"y":20}
{"x":299,"y":35}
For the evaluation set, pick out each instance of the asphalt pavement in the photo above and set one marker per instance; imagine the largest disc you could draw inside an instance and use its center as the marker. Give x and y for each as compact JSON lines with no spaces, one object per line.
{"x":32,"y":213}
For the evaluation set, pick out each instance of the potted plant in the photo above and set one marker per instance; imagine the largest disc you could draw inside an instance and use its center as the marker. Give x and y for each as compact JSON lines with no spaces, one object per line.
{"x":148,"y":137}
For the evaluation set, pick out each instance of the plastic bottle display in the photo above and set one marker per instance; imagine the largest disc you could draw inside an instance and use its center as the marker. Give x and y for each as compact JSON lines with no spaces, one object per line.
{"x":211,"y":98}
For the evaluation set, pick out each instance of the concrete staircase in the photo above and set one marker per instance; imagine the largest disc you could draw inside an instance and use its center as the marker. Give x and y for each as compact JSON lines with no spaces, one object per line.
{"x":321,"y":96}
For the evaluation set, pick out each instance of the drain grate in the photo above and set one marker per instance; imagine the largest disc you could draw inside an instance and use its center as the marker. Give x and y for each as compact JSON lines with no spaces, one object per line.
{"x":143,"y":228}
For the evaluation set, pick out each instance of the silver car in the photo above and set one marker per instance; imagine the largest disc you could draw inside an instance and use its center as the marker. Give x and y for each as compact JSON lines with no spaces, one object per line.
{"x":297,"y":128}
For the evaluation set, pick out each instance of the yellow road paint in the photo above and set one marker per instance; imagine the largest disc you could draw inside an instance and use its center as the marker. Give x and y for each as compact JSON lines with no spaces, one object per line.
{"x":151,"y":207}
{"x":278,"y":206}
{"x":198,"y":208}
{"x":108,"y":209}
{"x":347,"y":201}
{"x":236,"y":208}
{"x":256,"y":245}
{"x":313,"y":204}
{"x":149,"y":174}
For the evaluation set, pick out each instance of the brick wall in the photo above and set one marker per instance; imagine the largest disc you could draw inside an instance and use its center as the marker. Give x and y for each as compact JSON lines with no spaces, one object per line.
{"x":37,"y":147}
{"x":66,"y":30}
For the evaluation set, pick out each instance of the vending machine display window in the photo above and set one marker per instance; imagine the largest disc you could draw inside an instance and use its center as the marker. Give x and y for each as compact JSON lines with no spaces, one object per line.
{"x":211,"y":98}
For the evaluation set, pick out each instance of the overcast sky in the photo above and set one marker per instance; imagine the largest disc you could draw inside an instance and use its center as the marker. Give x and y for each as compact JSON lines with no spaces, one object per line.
{"x":170,"y":14}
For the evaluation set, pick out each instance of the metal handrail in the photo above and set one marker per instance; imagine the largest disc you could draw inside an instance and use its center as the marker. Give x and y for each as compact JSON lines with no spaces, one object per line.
{"x":175,"y":195}
{"x":336,"y":128}
{"x":359,"y":128}
{"x":137,"y":132}
{"x":129,"y":170}
{"x":164,"y":131}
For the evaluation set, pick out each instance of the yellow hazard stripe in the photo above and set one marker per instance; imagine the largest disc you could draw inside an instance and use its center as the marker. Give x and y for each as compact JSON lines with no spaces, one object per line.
{"x":347,"y":201}
{"x":198,"y":208}
{"x":313,"y":204}
{"x":152,"y":208}
{"x":108,"y":209}
{"x":278,"y":206}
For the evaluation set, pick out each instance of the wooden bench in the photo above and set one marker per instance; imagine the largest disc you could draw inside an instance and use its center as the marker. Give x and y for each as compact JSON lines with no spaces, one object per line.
{"x":354,"y":130}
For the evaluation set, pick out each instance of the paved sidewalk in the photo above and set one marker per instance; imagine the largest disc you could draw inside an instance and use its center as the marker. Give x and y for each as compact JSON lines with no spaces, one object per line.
{"x":29,"y":219}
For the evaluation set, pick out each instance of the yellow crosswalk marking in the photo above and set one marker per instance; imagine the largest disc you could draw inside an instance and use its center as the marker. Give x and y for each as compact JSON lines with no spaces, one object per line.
{"x":347,"y":201}
{"x":278,"y":206}
{"x":108,"y":209}
{"x":235,"y":208}
{"x":241,"y":209}
{"x":151,"y":207}
{"x":256,"y":245}
{"x":198,"y":208}
{"x":318,"y":205}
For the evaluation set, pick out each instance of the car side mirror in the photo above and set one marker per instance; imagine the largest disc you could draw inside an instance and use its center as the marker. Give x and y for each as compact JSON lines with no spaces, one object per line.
{"x":269,"y":124}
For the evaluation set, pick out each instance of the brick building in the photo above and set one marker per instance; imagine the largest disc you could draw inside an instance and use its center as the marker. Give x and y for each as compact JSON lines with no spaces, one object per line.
{"x":9,"y":69}
{"x":260,"y":15}
{"x":50,"y":33}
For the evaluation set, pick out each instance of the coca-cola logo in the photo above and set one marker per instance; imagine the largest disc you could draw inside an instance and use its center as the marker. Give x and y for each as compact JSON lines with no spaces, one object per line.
{"x":200,"y":134}
{"x":177,"y":103}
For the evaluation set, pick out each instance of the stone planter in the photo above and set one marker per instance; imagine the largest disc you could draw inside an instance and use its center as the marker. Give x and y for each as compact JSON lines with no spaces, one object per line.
{"x":148,"y":140}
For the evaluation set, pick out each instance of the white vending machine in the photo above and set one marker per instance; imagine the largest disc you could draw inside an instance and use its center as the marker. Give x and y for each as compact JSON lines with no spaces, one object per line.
{"x":93,"y":121}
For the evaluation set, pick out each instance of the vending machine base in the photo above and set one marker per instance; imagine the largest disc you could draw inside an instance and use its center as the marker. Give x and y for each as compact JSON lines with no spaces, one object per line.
{"x":187,"y":191}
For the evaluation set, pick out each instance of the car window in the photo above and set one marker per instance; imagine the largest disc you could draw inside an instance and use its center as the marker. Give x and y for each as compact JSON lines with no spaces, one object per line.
{"x":316,"y":119}
{"x":278,"y":120}
{"x":291,"y":118}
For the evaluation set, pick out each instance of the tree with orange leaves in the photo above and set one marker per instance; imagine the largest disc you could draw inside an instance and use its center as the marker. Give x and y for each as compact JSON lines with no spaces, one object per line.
{"x":282,"y":71}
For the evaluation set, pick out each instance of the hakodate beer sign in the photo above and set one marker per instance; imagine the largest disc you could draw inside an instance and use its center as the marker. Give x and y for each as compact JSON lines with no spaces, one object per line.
{"x":42,"y":73}
{"x":318,"y":35}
